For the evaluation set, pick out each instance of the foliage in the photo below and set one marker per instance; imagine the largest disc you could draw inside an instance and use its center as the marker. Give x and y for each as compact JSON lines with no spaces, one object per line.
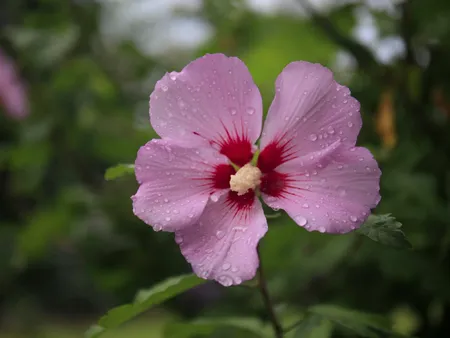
{"x":71,"y":247}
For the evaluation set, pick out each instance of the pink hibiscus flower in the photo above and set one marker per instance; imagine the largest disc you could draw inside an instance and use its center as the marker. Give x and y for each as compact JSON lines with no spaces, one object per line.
{"x":12,"y":91}
{"x":199,"y":179}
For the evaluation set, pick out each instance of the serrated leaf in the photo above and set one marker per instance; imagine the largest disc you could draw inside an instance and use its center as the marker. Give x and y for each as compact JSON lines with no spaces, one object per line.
{"x":313,"y":326}
{"x":363,"y":324}
{"x":119,"y":171}
{"x":248,"y":327}
{"x":144,"y":300}
{"x":386,"y":230}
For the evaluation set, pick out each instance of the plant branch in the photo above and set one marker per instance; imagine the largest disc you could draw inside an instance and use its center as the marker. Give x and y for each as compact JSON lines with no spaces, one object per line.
{"x":262,"y":284}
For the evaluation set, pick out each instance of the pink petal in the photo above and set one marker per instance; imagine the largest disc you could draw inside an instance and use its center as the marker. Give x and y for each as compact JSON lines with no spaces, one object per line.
{"x":213,"y":100}
{"x":12,"y":90}
{"x":334,"y":196}
{"x":222,"y":245}
{"x":310,"y":111}
{"x":176,"y":183}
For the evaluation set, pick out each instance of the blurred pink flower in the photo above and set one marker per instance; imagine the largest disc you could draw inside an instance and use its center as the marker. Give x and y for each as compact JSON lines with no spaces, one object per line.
{"x":210,"y":115}
{"x":13,"y":95}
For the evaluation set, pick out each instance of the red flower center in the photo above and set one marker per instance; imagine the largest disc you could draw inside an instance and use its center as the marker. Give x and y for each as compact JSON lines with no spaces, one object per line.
{"x":239,"y":152}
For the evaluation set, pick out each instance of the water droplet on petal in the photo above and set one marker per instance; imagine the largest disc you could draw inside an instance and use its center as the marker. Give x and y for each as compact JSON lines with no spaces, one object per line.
{"x":226,"y":266}
{"x":330,"y":130}
{"x":220,"y":234}
{"x":313,"y":137}
{"x":300,"y":220}
{"x":214,"y":198}
{"x":353,"y":218}
{"x":250,"y":110}
{"x":168,"y":219}
{"x":306,"y":205}
{"x":233,"y":111}
{"x":237,"y":280}
{"x":164,"y":88}
{"x":322,"y":229}
{"x":225,"y":280}
{"x":349,"y":124}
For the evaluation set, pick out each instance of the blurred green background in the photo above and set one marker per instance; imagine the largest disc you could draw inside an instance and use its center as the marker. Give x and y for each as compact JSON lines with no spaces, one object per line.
{"x":70,"y":246}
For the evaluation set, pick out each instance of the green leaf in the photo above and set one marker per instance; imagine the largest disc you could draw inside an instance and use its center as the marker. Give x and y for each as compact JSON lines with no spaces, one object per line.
{"x":385,"y":230}
{"x":144,"y":300}
{"x":313,"y":326}
{"x":119,"y":171}
{"x":363,"y":324}
{"x":242,"y":327}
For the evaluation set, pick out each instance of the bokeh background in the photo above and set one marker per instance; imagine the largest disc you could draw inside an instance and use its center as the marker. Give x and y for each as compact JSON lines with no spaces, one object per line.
{"x":75,"y":80}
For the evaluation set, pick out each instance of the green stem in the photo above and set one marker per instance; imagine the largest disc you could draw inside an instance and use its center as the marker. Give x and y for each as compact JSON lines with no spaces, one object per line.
{"x":262,"y":284}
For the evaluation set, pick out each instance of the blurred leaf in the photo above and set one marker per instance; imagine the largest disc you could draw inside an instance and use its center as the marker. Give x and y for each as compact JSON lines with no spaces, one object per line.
{"x":313,"y":326}
{"x":242,"y":327}
{"x":47,"y":45}
{"x":44,"y":227}
{"x":385,"y":230}
{"x":280,"y":41}
{"x":363,"y":324}
{"x":119,"y":171}
{"x":145,"y":299}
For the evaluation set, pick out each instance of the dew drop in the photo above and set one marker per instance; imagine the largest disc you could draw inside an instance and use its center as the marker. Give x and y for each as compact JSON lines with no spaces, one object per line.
{"x":306,"y":205}
{"x":313,"y":137}
{"x":164,"y":88}
{"x":237,"y":280}
{"x":250,"y":110}
{"x":300,"y":220}
{"x":220,"y":234}
{"x":168,"y":219}
{"x":353,"y":218}
{"x":322,"y":229}
{"x":214,"y":198}
{"x":330,"y":130}
{"x":349,"y":124}
{"x":233,"y":111}
{"x":225,"y":280}
{"x":226,"y":266}
{"x":166,"y":200}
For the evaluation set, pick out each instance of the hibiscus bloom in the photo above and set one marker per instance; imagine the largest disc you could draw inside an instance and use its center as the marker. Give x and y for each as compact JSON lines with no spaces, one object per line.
{"x":201,"y":180}
{"x":13,"y":96}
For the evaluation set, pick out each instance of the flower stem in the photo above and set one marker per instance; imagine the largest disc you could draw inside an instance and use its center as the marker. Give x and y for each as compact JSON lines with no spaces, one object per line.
{"x":262,"y":284}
